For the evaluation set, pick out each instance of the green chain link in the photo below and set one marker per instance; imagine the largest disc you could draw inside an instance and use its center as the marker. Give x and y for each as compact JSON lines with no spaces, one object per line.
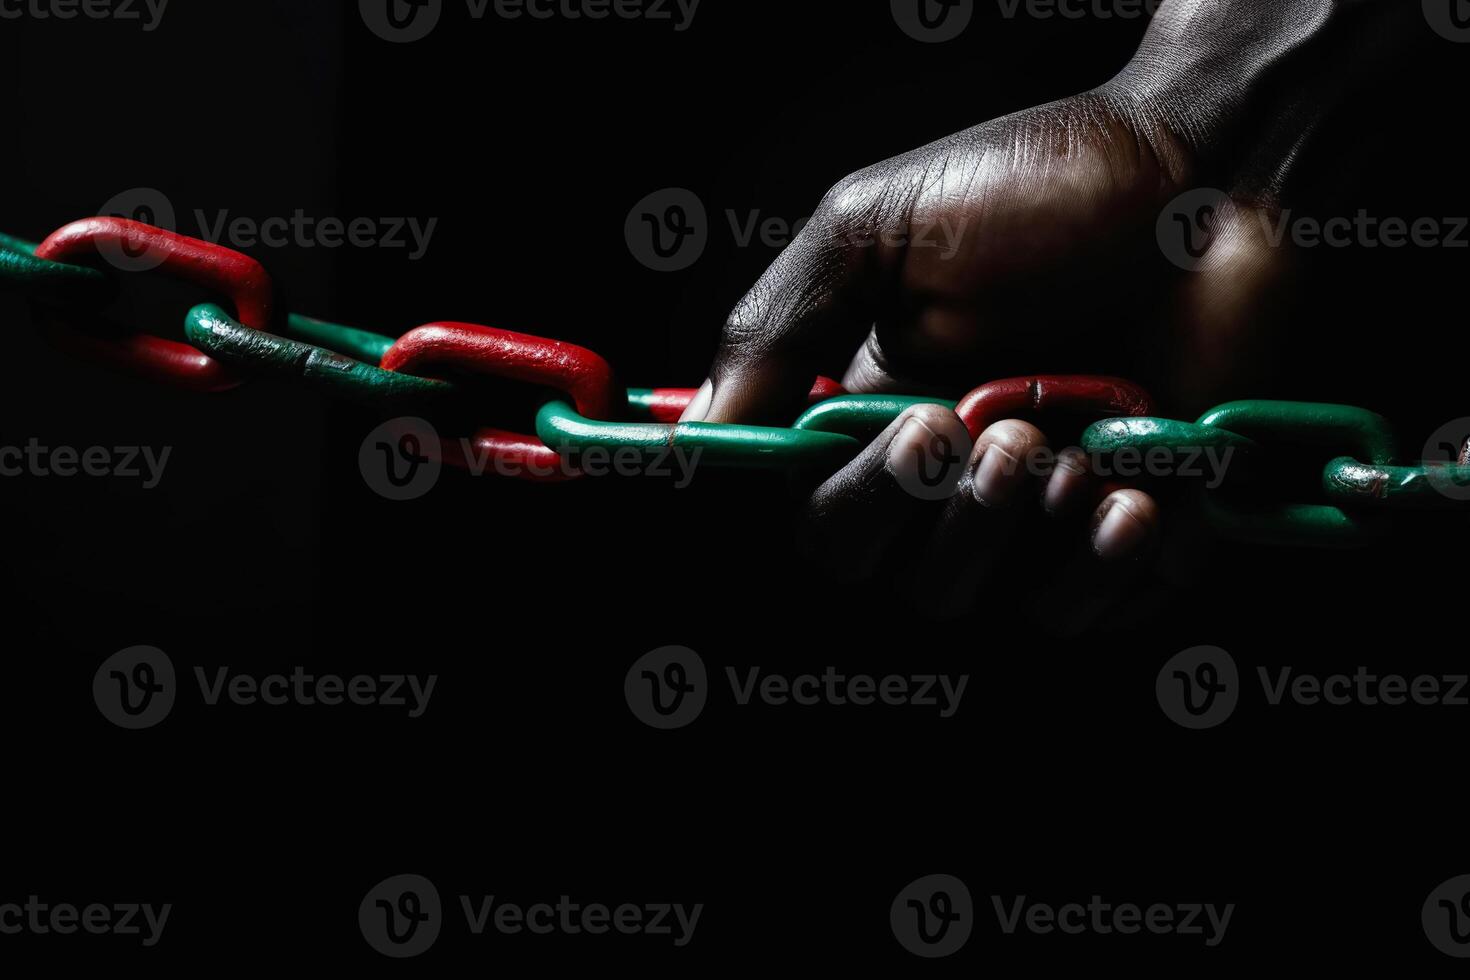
{"x":1237,"y":425}
{"x":1366,"y":435}
{"x":1428,"y":485}
{"x":563,"y":429}
{"x":362,"y":345}
{"x":1145,"y":434}
{"x":20,"y":269}
{"x":216,"y":333}
{"x":861,"y":416}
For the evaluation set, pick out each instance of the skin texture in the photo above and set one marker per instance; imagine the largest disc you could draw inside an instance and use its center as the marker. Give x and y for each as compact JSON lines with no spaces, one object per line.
{"x":1029,"y":243}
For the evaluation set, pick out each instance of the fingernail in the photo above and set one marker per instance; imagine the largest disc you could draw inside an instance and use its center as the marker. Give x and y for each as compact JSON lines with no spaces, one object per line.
{"x":1062,"y":486}
{"x":1119,"y":533}
{"x":698,"y":408}
{"x":995,"y":479}
{"x":909,"y":446}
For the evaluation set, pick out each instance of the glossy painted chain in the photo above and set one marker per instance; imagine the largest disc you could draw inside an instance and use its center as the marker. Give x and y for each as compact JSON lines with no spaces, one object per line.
{"x":433,"y":366}
{"x":1250,"y":429}
{"x":236,"y":277}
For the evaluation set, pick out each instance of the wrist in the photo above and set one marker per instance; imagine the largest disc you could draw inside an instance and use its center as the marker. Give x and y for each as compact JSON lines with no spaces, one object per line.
{"x":1247,"y":78}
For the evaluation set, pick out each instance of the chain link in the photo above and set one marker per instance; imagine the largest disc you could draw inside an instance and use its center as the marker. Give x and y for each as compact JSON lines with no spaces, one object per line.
{"x":432,"y":367}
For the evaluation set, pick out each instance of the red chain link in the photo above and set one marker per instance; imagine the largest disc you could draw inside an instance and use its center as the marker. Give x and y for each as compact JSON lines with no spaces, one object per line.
{"x":238,"y":278}
{"x":581,"y":374}
{"x":1019,"y":397}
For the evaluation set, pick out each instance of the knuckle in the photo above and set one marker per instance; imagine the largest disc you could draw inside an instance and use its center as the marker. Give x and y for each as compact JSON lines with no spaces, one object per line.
{"x":852,"y":200}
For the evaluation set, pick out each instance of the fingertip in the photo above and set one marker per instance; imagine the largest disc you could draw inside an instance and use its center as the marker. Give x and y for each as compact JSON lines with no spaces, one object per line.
{"x":927,"y":450}
{"x":699,"y":406}
{"x":1002,"y":459}
{"x":1124,"y":525}
{"x":755,"y":392}
{"x":1070,"y":483}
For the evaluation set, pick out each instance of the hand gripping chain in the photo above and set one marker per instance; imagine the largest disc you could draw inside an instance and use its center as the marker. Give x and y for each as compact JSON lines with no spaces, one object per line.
{"x":440,"y":365}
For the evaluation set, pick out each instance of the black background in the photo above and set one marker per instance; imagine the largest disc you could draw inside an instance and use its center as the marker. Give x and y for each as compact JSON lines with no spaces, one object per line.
{"x":528,"y":778}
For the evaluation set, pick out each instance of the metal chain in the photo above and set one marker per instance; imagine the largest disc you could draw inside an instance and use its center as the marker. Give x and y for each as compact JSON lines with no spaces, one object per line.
{"x":432,"y":366}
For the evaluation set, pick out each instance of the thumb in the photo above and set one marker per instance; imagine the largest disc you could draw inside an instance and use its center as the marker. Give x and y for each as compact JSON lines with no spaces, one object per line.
{"x":819,"y":293}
